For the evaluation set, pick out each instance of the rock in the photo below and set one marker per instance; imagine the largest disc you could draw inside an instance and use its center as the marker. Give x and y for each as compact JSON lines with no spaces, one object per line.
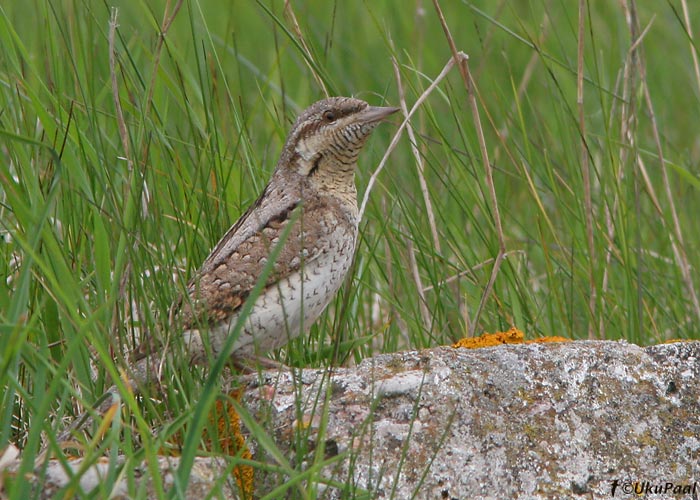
{"x":205,"y":473}
{"x":585,"y":419}
{"x":565,"y":420}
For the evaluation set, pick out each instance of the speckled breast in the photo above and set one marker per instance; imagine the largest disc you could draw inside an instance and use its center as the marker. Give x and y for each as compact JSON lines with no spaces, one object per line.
{"x":289,"y":308}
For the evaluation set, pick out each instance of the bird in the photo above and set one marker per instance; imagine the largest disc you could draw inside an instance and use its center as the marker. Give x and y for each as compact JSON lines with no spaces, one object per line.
{"x":294,"y":245}
{"x":299,"y":237}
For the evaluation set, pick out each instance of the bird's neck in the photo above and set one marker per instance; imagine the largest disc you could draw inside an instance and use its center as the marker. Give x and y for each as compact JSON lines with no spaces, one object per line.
{"x":339,"y":184}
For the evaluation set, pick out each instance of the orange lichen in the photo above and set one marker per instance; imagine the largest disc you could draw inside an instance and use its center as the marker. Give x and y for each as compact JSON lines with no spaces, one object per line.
{"x":232,"y":442}
{"x":225,"y":420}
{"x":553,"y":338}
{"x":512,"y":336}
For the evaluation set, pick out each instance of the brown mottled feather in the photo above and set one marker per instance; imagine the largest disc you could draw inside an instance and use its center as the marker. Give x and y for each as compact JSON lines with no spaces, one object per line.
{"x":218,"y":292}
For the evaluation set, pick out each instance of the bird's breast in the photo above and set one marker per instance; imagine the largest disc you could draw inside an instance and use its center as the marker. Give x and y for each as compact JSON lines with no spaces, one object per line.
{"x":289,"y":307}
{"x":293,"y":304}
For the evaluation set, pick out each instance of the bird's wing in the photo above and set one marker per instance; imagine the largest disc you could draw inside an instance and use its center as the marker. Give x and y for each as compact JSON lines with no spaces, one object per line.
{"x":231,"y":271}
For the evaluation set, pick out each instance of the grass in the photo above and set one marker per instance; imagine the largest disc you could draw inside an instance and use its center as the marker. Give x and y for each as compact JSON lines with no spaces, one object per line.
{"x":101,"y":225}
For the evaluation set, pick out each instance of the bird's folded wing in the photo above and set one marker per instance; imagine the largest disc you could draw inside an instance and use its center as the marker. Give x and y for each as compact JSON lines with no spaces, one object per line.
{"x":230,"y":273}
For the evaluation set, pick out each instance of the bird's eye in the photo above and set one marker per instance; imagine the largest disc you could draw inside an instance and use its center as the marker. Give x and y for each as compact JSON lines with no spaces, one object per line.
{"x":329,"y":116}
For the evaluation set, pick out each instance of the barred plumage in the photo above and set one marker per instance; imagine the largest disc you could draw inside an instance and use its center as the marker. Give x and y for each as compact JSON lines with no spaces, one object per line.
{"x":313,"y":191}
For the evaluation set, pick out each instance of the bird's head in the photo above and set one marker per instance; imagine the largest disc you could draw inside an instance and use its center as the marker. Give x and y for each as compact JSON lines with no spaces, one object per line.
{"x":327,"y":137}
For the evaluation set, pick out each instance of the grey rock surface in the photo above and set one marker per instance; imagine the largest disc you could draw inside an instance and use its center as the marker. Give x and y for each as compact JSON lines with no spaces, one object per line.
{"x":585,"y":419}
{"x":557,"y":420}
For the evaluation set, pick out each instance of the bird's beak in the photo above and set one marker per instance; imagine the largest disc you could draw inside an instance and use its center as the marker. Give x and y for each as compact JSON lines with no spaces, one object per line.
{"x":373,"y":114}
